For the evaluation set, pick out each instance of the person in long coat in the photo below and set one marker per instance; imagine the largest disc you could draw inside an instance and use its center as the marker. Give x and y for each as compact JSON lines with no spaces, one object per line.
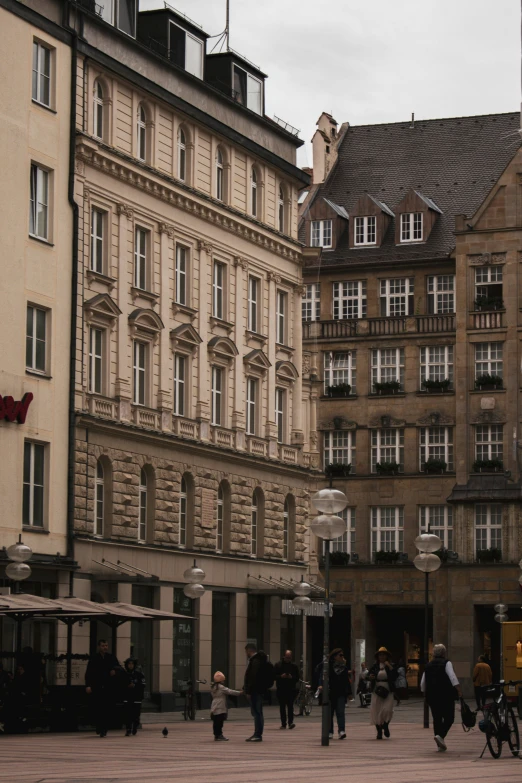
{"x":382,"y":678}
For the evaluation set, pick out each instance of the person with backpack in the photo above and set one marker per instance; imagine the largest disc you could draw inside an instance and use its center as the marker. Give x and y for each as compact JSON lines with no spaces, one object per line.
{"x":441,"y":686}
{"x":259,"y":678}
{"x":286,"y":677}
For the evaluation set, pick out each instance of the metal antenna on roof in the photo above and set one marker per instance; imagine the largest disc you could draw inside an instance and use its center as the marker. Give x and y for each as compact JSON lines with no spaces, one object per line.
{"x":227,"y":26}
{"x":413,"y":116}
{"x":223,"y":37}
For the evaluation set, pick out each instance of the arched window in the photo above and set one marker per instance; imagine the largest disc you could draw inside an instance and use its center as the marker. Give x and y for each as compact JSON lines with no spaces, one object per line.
{"x":289,"y":528}
{"x":285,"y":531}
{"x":186,"y":511}
{"x":142,"y":522}
{"x":142,"y":133}
{"x":182,"y":155}
{"x":98,"y":110}
{"x":220,"y":176}
{"x":257,"y":531}
{"x":281,"y":209}
{"x":223,"y":518}
{"x":99,"y":500}
{"x":253,"y":191}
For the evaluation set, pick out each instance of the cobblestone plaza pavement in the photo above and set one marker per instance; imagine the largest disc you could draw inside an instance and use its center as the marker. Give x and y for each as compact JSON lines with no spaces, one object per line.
{"x":190,"y":754}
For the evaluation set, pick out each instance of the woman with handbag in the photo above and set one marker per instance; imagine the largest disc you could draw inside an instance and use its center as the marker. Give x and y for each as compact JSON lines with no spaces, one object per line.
{"x":382,"y":679}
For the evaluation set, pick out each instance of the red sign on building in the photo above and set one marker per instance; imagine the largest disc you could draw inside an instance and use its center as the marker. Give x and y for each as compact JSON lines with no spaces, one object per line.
{"x":12,"y":410}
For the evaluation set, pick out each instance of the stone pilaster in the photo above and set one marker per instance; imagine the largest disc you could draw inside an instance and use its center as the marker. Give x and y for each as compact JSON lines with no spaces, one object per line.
{"x":204,"y":307}
{"x":123,"y":375}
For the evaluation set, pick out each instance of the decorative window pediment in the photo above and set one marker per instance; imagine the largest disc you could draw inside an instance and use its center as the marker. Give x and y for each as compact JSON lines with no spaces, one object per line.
{"x":185,"y":336}
{"x":257,"y":362}
{"x":286,"y":372}
{"x":370,"y":219}
{"x":102,"y":308}
{"x":435,"y":419}
{"x":222,"y":348}
{"x":147,"y":322}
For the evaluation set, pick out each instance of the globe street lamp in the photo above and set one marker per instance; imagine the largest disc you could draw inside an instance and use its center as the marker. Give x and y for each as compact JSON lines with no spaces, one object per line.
{"x":18,"y":569}
{"x":301,"y":591}
{"x":194,"y":576}
{"x":327,"y":526}
{"x":427,"y":562}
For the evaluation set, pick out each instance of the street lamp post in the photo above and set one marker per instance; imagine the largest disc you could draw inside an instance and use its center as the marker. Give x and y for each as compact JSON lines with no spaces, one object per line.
{"x":327,"y":526}
{"x":18,"y":570}
{"x":427,"y":562}
{"x":501,"y":616}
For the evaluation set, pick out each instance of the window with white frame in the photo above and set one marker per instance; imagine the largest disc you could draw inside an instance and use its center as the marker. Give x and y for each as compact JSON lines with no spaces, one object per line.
{"x":98,"y":120}
{"x":140,"y":351}
{"x":321,"y":233}
{"x":141,"y":133}
{"x":346,"y":542}
{"x":281,"y":313}
{"x":436,"y":443}
{"x":98,"y":220}
{"x":488,"y":359}
{"x":489,"y":287}
{"x":254,"y":514}
{"x":438,"y":520}
{"x":39,"y":203}
{"x":411,"y":227}
{"x":280,"y":414}
{"x":183,"y":507}
{"x":96,"y":340}
{"x":251,"y":406}
{"x":216,"y":389}
{"x":248,"y":90}
{"x":436,"y":363}
{"x":141,"y":242}
{"x":339,"y":448}
{"x":142,"y":522}
{"x":180,"y":373}
{"x":281,"y":210}
{"x":441,"y":294}
{"x":41,"y":74}
{"x":387,"y":529}
{"x":220,"y":176}
{"x":253,"y":192}
{"x":36,"y":339}
{"x":33,"y":511}
{"x":218,"y":283}
{"x":387,"y":366}
{"x":396,"y":296}
{"x":286,"y":529}
{"x":311,"y":305}
{"x":182,"y":155}
{"x":181,"y":292}
{"x":489,"y":442}
{"x":99,"y":499}
{"x":388,"y":447}
{"x":488,"y":526}
{"x":349,"y":299}
{"x":253,"y":296}
{"x":186,"y":50}
{"x":365,"y":230}
{"x":340,"y":368}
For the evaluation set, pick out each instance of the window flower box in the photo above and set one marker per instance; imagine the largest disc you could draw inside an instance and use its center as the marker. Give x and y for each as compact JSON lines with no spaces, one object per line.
{"x":338,"y":470}
{"x":489,"y":303}
{"x":436,"y":386}
{"x":491,"y":555}
{"x":487,"y":466}
{"x":387,"y":387}
{"x":339,"y":390}
{"x":433,"y":465}
{"x":387,"y":468}
{"x":382,"y":557}
{"x":488,"y":382}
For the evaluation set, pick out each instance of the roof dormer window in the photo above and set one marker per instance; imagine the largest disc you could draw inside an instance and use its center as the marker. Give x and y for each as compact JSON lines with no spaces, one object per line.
{"x":321,"y":233}
{"x":186,"y":50}
{"x":411,"y":227}
{"x":248,"y":90}
{"x":366,"y":230}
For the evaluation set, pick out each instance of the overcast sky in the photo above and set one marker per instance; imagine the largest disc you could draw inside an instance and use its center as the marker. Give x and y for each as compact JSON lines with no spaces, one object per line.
{"x":371,"y":61}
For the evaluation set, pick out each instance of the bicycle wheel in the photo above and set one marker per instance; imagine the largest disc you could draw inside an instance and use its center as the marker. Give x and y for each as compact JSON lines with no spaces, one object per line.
{"x":494,"y":738}
{"x":192,"y":710}
{"x":308,"y":709}
{"x":513,"y":737}
{"x":185,"y":711}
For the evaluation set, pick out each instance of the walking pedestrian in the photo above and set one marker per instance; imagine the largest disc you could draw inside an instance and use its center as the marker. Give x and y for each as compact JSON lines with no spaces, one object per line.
{"x":340,"y":689}
{"x":363,"y":685}
{"x":382,"y":677}
{"x":401,"y":683}
{"x":482,"y":677}
{"x":259,"y":677}
{"x":286,"y":677}
{"x":441,"y":686}
{"x":99,"y":673}
{"x":219,"y":706}
{"x":134,"y":696}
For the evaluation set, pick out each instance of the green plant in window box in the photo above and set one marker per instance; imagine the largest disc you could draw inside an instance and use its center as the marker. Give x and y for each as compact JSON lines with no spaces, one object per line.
{"x":489,"y":303}
{"x":338,"y":469}
{"x":488,"y":381}
{"x":436,"y":386}
{"x":487,"y":466}
{"x":338,"y":390}
{"x":433,"y":465}
{"x":387,"y":468}
{"x":382,"y":557}
{"x":387,"y":387}
{"x":491,"y":555}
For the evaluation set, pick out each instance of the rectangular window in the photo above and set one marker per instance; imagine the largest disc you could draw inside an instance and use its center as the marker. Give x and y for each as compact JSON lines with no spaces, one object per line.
{"x":97,"y":240}
{"x":186,"y":50}
{"x":179,"y":384}
{"x":489,"y":288}
{"x":440,"y":522}
{"x":127,"y":16}
{"x":388,"y":447}
{"x":340,"y":369}
{"x":387,"y":529}
{"x":251,"y":417}
{"x":181,"y":294}
{"x":218,"y":280}
{"x":346,"y":542}
{"x":436,"y":364}
{"x":387,"y":366}
{"x":34,"y":484}
{"x":365,"y":230}
{"x":36,"y":339}
{"x":489,"y":442}
{"x":217,"y":396}
{"x":248,"y":90}
{"x":411,"y":227}
{"x":141,"y":240}
{"x":96,"y":360}
{"x":321,"y":233}
{"x":349,"y":300}
{"x":41,"y":74}
{"x":339,"y":448}
{"x":488,"y":359}
{"x":441,"y":294}
{"x":280,"y":413}
{"x":140,"y":373}
{"x":282,"y":301}
{"x":253,"y":295}
{"x":397,"y":297}
{"x":488,"y":526}
{"x":39,"y":204}
{"x":436,"y":443}
{"x":311,"y":306}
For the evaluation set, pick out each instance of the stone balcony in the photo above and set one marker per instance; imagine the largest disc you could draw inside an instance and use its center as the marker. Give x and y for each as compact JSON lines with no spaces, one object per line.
{"x":376,"y":327}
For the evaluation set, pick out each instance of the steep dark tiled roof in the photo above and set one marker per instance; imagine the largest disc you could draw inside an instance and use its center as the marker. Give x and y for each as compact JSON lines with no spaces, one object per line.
{"x":453,"y":161}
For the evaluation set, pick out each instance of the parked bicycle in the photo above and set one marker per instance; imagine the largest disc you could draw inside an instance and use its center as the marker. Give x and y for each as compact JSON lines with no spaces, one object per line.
{"x":499,"y":722}
{"x":305,"y":698}
{"x":189,"y":708}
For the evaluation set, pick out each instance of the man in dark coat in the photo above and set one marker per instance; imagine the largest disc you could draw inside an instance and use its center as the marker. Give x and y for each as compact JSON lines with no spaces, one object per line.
{"x":441,"y":686}
{"x":254,"y":689}
{"x":286,"y":678}
{"x":101,"y":669}
{"x":340,"y":689}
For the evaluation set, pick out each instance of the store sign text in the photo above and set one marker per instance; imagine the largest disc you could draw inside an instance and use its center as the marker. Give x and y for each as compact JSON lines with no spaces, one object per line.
{"x":12,"y":410}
